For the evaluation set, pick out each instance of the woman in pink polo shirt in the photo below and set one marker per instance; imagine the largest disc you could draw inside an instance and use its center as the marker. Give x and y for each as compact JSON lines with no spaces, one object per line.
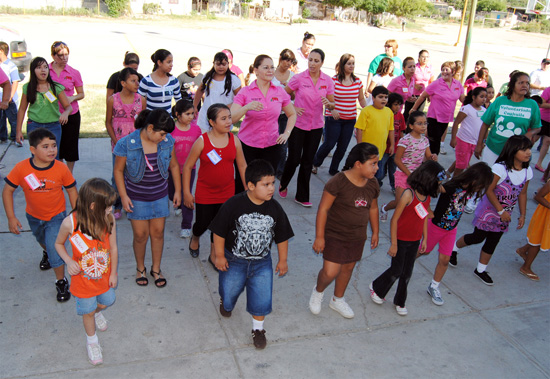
{"x":423,"y":75}
{"x":262,"y":102}
{"x":70,"y":78}
{"x":312,"y":91}
{"x":443,"y":94}
{"x":405,"y":84}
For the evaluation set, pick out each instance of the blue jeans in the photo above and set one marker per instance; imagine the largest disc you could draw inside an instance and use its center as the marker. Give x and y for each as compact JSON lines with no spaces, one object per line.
{"x":256,"y":275}
{"x":339,"y":133}
{"x":386,"y":164}
{"x":45,"y":233}
{"x":54,"y":127}
{"x":284,"y":147}
{"x":87,"y":305}
{"x":10,"y":115}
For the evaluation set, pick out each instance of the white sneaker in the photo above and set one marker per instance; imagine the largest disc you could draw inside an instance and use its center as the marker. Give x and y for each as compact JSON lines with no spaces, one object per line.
{"x":315,"y":301}
{"x":341,"y":307}
{"x":100,"y":322}
{"x":94,"y":353}
{"x":185,"y":233}
{"x":374,"y":297}
{"x":401,"y":311}
{"x":383,"y":213}
{"x":177,"y":212}
{"x":435,"y":294}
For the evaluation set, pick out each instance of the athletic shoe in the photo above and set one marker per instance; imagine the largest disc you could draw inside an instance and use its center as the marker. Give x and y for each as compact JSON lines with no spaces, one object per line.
{"x":45,"y":263}
{"x":177,"y":212}
{"x":185,"y":233}
{"x":453,"y":261}
{"x":442,"y":151}
{"x":484,"y":277}
{"x":436,"y":295}
{"x":341,"y":307}
{"x":223,"y":312}
{"x":283,"y":193}
{"x":18,"y":144}
{"x":315,"y":301}
{"x":62,"y":287}
{"x":94,"y":353}
{"x":117,"y":214}
{"x":374,"y":297}
{"x":306,"y":204}
{"x":100,"y":322}
{"x":401,"y":311}
{"x":258,"y":336}
{"x":383,"y":213}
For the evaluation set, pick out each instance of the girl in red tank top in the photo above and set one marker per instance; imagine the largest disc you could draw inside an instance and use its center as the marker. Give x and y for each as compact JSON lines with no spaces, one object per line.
{"x":93,"y":266}
{"x":217,"y":150}
{"x":409,"y":225}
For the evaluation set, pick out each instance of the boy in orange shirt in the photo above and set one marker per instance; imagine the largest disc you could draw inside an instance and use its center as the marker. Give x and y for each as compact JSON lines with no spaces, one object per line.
{"x":42,"y":179}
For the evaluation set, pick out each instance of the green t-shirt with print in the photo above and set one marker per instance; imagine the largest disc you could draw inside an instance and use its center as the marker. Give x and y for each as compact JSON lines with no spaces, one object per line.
{"x":45,"y":108}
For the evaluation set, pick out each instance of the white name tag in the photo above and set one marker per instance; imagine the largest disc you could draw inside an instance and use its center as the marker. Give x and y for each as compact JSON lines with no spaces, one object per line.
{"x":214,"y":156}
{"x":50,"y":96}
{"x":32,"y":181}
{"x":405,"y":90}
{"x":79,"y":243}
{"x":421,"y":211}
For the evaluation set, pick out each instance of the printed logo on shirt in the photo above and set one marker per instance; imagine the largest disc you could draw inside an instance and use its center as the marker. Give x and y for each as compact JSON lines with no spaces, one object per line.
{"x":95,"y":263}
{"x":274,"y":99}
{"x":360,"y":203}
{"x":254,"y":236}
{"x":68,"y":77}
{"x":507,"y":130}
{"x":323,"y":87}
{"x":511,"y":111}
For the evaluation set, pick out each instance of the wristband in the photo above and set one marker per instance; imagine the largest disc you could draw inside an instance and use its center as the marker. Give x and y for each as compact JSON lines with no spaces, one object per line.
{"x":288,"y":131}
{"x":501,"y":212}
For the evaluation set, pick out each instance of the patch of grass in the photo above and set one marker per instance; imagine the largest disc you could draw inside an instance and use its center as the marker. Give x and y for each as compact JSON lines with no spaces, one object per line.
{"x":92,"y":110}
{"x":50,"y":11}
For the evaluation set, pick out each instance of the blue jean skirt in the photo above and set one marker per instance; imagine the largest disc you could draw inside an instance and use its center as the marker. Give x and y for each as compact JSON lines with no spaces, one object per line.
{"x":148,"y":210}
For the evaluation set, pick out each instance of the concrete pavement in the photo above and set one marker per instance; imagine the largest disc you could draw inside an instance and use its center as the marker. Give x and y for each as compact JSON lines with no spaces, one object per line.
{"x":500,"y":331}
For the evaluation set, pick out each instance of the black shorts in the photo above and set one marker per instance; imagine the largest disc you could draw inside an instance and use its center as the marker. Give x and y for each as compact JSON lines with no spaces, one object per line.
{"x":545,"y":128}
{"x":478,"y":236}
{"x":68,"y":147}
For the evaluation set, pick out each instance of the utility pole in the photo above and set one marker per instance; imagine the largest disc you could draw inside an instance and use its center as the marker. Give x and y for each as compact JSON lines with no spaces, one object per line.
{"x":469,"y":36}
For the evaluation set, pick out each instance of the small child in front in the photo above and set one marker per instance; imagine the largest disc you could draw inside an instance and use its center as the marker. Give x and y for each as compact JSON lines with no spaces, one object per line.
{"x":42,"y":179}
{"x":244,"y":229}
{"x":93,"y":266}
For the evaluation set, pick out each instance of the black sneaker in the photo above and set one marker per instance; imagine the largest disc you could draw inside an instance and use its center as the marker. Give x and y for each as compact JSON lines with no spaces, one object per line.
{"x":453,"y":262}
{"x":258,"y":336}
{"x":45,"y":263}
{"x":484,"y":277}
{"x":63,"y":293}
{"x":223,"y":312}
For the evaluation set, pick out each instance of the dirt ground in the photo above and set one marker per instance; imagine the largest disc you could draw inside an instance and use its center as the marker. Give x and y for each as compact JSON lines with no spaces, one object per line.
{"x":98,"y":45}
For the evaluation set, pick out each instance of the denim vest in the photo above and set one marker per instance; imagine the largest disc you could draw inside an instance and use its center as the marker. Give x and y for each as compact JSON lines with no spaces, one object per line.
{"x":131,"y":147}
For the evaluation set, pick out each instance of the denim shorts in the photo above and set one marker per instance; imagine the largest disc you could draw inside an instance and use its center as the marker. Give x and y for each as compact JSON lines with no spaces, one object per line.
{"x":254,"y":275}
{"x":85,"y":305}
{"x":45,"y":233}
{"x":148,"y":210}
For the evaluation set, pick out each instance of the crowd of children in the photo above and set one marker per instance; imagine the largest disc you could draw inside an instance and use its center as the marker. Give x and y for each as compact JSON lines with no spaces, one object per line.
{"x":154,"y":162}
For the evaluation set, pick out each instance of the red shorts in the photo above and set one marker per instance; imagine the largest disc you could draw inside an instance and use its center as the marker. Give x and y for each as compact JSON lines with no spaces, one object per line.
{"x":463,"y":153}
{"x":445,"y":238}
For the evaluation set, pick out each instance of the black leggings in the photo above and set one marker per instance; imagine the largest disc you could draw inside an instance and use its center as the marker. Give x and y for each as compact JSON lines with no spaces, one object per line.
{"x":204,"y":214}
{"x":435,"y":132}
{"x":478,"y":236}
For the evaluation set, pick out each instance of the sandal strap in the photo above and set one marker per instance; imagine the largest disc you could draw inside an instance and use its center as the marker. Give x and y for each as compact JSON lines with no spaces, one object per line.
{"x":144,"y":272}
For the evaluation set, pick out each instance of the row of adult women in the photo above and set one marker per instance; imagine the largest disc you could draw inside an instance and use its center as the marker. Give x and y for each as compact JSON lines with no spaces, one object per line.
{"x":70,"y":78}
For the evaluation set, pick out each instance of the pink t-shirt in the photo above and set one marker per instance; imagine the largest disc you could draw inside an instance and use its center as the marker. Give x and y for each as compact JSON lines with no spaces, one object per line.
{"x":184,"y":141}
{"x":443,"y":99}
{"x":415,"y":150}
{"x":124,"y":116}
{"x":69,"y":78}
{"x":308,"y":96}
{"x":544,"y":112}
{"x":261,"y":128}
{"x":236,"y":70}
{"x":422,"y":75}
{"x":399,"y":85}
{"x":3,"y":77}
{"x":470,"y":84}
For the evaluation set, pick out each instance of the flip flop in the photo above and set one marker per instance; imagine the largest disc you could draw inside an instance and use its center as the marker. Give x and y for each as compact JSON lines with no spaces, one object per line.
{"x":533,"y":277}
{"x":159,"y":282}
{"x":539,"y":168}
{"x":142,"y":281}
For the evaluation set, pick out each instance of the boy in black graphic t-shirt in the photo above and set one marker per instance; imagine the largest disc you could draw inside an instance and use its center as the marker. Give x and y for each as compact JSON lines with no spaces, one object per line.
{"x":244,"y":229}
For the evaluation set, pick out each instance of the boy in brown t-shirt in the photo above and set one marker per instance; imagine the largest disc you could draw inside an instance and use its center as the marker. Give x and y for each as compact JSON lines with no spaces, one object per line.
{"x":42,"y":179}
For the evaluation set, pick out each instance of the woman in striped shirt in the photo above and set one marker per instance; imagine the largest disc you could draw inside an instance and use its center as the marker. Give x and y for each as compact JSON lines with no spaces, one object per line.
{"x":160,"y":87}
{"x":340,"y":121}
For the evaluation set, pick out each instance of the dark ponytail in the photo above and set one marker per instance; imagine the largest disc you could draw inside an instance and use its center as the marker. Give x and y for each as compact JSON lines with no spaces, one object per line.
{"x":361,"y":152}
{"x":205,"y":86}
{"x":159,"y":118}
{"x":473,"y":93}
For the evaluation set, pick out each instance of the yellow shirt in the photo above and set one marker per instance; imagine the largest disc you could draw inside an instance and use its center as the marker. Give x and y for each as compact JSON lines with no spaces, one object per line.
{"x":376,"y":125}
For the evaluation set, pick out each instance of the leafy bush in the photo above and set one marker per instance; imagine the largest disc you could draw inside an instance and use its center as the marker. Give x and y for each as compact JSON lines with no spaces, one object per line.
{"x":542,"y":26}
{"x":306,"y":13}
{"x":117,"y":8}
{"x":491,"y":5}
{"x":151,"y":8}
{"x":299,"y":21}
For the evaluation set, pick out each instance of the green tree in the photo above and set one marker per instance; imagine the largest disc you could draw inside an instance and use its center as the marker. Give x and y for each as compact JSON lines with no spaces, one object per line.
{"x":490,"y":5}
{"x":372,"y":7}
{"x":406,"y":8}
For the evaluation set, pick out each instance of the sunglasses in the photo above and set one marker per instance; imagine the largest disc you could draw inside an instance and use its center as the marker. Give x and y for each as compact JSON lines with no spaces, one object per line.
{"x":442,"y":175}
{"x":59,"y":44}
